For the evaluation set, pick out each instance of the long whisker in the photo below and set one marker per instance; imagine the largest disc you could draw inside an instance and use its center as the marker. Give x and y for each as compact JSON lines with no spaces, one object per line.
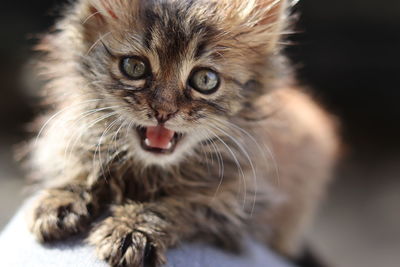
{"x":59,"y":113}
{"x":265,"y":146}
{"x":91,"y":124}
{"x":261,"y":148}
{"x":114,"y":138}
{"x":97,"y":42}
{"x":220,"y":161}
{"x":206,"y":154}
{"x":90,"y":16}
{"x":244,"y":151}
{"x":237,"y":164}
{"x":98,"y":147}
{"x":80,"y":118}
{"x":252,"y":138}
{"x":221,"y":167}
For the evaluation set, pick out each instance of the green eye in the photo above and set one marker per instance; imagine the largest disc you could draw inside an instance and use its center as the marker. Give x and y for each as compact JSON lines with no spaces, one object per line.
{"x":205,"y":81}
{"x":134,"y":68}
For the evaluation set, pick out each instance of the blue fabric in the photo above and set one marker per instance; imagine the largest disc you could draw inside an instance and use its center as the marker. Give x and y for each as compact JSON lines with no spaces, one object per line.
{"x":19,"y":249}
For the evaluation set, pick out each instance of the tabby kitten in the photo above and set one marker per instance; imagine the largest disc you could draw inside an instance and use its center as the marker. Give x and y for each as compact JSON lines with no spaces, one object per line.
{"x":179,"y":120}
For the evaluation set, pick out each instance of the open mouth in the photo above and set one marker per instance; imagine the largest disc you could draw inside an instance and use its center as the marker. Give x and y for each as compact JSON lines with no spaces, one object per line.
{"x":158,"y":139}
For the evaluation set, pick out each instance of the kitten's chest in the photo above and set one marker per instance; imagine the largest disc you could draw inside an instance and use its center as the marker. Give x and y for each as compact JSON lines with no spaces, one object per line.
{"x":194,"y":179}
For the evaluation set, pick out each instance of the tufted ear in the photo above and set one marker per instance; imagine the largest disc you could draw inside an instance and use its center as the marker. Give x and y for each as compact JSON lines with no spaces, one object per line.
{"x":272,"y":20}
{"x":270,"y":12}
{"x":259,"y":23}
{"x":107,"y":9}
{"x":101,"y":16}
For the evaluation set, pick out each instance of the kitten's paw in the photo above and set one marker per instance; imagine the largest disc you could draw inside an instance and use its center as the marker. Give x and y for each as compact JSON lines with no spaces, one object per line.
{"x":123,"y":242}
{"x":58,"y":214}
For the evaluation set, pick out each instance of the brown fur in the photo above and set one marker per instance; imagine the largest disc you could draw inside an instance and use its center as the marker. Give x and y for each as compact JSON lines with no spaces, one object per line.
{"x":257,"y":153}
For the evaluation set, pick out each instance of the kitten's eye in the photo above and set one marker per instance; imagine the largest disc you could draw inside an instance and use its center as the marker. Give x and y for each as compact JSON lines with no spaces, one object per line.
{"x":205,"y":81}
{"x":134,"y":68}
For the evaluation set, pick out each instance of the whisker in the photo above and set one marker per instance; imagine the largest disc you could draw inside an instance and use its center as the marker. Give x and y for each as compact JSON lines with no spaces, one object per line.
{"x":90,"y":16}
{"x":75,"y":137}
{"x":97,"y":42}
{"x":269,"y":151}
{"x":221,"y":167}
{"x":220,"y":161}
{"x":262,"y":149}
{"x":58,"y":114}
{"x":244,"y":151}
{"x":98,"y":147}
{"x":106,"y":116}
{"x":237,"y":164}
{"x":206,"y":154}
{"x":114,"y":139}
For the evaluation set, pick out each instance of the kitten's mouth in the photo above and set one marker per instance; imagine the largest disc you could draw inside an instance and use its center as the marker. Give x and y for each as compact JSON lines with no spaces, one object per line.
{"x":158,"y":139}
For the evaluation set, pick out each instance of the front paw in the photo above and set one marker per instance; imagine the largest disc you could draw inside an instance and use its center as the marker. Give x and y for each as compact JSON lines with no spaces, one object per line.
{"x":130,"y":238}
{"x":58,"y":214}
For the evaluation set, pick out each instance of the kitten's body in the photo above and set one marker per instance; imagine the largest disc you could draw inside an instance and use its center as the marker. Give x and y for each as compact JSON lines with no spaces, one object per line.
{"x":255,"y":157}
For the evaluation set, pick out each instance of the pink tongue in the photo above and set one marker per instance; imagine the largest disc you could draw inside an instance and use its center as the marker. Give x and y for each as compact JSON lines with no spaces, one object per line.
{"x":159,"y":137}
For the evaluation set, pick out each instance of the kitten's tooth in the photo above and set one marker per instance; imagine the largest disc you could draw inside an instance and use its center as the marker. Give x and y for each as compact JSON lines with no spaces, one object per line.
{"x":169,"y":145}
{"x":147,"y":142}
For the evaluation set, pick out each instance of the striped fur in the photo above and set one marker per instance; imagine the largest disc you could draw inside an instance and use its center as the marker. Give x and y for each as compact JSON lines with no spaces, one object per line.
{"x":256,"y":156}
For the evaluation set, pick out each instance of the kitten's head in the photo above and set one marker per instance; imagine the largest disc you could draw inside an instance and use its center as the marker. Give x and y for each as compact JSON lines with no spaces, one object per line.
{"x":176,"y":69}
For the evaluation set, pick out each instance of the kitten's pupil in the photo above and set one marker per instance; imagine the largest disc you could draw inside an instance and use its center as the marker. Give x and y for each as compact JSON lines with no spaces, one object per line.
{"x":138,"y":68}
{"x":134,"y":68}
{"x":205,"y":81}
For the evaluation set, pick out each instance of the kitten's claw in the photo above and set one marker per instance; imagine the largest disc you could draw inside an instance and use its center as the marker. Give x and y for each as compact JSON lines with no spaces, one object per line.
{"x":122,"y":242}
{"x":58,"y":214}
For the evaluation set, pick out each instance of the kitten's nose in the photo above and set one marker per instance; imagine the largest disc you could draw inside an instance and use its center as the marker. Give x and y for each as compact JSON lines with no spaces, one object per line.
{"x":163,"y":115}
{"x":164,"y":104}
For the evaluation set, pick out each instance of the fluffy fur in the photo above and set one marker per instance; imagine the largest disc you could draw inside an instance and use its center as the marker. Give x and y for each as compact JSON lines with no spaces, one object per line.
{"x":256,"y":155}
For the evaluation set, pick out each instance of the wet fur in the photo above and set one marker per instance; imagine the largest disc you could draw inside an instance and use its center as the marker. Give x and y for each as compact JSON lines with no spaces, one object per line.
{"x":257,"y":154}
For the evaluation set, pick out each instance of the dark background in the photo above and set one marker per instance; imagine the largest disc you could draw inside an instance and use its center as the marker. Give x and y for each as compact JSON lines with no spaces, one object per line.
{"x":347,"y":51}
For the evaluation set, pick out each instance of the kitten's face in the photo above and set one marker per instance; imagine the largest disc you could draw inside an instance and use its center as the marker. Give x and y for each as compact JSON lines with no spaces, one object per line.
{"x":174,"y":69}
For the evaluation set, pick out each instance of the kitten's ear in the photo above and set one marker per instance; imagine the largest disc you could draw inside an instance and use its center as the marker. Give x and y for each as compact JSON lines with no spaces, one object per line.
{"x":99,"y":16}
{"x":100,"y":13}
{"x":261,"y":22}
{"x":273,"y":20}
{"x":106,"y":9}
{"x":270,"y":12}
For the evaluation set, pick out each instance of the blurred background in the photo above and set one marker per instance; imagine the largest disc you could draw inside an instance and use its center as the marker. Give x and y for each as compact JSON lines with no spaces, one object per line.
{"x":348,"y":51}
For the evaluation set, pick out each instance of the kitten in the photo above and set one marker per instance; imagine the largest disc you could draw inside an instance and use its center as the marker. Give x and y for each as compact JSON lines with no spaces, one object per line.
{"x":181,"y":121}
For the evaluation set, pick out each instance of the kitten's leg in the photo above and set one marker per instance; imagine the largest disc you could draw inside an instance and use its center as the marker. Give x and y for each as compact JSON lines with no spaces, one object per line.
{"x":139,"y":234}
{"x":64,"y":211}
